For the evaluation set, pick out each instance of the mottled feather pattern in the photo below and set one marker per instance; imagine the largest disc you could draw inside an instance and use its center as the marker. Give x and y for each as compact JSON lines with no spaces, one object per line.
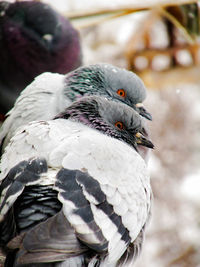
{"x":59,"y":142}
{"x":14,"y":183}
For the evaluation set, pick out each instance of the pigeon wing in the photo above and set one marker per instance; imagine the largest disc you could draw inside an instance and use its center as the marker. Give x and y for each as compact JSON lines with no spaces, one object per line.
{"x":49,"y":241}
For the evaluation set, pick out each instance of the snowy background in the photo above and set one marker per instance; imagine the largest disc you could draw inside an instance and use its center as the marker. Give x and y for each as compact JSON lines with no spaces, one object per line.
{"x":173,"y":235}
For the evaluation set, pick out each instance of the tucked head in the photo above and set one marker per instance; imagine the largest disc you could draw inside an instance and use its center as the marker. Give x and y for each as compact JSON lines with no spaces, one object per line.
{"x":111,"y":118}
{"x":109,"y":81}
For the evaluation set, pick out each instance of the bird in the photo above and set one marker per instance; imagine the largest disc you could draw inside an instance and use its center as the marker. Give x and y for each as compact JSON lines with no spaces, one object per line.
{"x":75,"y":190}
{"x":34,"y":38}
{"x":50,"y":93}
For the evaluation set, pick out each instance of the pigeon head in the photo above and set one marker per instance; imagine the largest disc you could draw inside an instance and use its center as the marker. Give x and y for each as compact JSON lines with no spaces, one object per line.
{"x":34,"y":38}
{"x":111,"y":118}
{"x":40,"y":18}
{"x":109,"y":81}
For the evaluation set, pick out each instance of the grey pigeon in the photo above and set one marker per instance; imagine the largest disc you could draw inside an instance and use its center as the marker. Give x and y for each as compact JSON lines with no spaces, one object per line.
{"x":34,"y":38}
{"x":75,"y":190}
{"x":51,"y":93}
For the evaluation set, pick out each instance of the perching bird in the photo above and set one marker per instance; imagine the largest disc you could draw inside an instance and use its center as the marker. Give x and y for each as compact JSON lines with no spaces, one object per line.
{"x":51,"y":93}
{"x":75,"y":190}
{"x":34,"y":39}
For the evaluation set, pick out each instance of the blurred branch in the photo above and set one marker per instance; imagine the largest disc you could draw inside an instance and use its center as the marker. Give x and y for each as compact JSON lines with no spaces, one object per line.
{"x":135,"y":7}
{"x":177,"y":24}
{"x":168,"y":51}
{"x":82,"y":19}
{"x":94,"y":19}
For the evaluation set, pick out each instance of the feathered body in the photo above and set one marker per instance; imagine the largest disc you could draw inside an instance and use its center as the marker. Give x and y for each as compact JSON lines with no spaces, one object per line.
{"x":102,"y":186}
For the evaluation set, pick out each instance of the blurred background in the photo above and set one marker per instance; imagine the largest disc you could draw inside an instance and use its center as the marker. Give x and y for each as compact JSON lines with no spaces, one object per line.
{"x":160,"y":41}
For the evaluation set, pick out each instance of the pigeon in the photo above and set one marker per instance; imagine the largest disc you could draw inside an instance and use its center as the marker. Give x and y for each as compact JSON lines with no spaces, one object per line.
{"x":51,"y":93}
{"x":34,"y":39}
{"x":75,"y":190}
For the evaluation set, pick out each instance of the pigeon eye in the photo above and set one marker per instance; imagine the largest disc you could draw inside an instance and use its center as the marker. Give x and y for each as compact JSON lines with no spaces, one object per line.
{"x":119,"y":125}
{"x":121,"y":92}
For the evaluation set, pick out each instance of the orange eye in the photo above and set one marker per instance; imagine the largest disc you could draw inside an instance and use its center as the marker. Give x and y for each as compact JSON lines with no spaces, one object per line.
{"x":121,"y":92}
{"x":119,"y":125}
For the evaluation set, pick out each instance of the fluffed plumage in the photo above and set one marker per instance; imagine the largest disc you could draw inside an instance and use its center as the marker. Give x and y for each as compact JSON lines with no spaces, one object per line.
{"x":34,"y":38}
{"x":50,"y":93}
{"x":84,"y":167}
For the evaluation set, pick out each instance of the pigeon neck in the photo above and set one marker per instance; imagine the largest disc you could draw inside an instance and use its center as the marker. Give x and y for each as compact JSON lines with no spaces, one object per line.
{"x":87,"y":114}
{"x":81,"y":84}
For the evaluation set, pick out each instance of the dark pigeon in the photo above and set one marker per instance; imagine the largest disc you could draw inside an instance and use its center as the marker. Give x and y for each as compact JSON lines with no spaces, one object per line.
{"x":34,"y":39}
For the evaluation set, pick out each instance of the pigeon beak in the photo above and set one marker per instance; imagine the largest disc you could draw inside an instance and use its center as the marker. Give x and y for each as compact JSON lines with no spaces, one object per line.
{"x":142,"y":111}
{"x":48,"y":39}
{"x":141,"y":140}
